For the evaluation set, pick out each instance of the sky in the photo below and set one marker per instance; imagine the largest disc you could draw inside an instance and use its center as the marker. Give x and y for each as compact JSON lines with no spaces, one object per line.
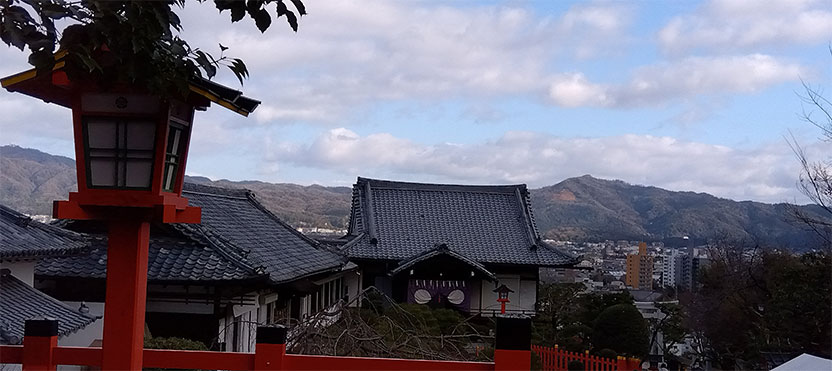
{"x":683,"y":95}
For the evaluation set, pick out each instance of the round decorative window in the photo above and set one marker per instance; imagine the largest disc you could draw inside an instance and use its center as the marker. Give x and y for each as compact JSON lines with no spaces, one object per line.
{"x":456,"y":297}
{"x":421,"y":296}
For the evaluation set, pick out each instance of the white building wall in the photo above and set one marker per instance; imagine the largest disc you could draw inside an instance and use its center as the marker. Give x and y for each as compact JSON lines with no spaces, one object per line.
{"x":22,"y":270}
{"x":523,"y":299}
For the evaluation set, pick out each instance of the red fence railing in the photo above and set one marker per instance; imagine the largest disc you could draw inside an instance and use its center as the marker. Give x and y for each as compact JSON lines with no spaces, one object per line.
{"x":42,"y":353}
{"x":556,"y":359}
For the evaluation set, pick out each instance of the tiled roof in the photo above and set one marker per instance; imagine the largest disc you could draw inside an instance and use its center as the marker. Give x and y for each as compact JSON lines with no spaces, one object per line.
{"x":19,"y":302}
{"x":170,"y":259}
{"x":238,"y":239}
{"x":267,"y":242}
{"x":486,"y":224}
{"x":22,"y":237}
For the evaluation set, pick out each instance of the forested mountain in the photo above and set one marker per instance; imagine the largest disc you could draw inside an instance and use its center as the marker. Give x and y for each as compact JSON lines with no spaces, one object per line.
{"x":582,"y":208}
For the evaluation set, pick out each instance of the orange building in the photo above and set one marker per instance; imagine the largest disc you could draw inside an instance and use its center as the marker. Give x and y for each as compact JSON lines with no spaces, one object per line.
{"x":640,"y":269}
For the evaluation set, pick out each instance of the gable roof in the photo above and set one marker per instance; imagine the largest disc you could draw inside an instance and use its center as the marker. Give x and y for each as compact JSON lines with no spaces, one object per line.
{"x":267,"y":242}
{"x":19,"y":302}
{"x":24,"y":238}
{"x":439,"y":250}
{"x":486,"y":224}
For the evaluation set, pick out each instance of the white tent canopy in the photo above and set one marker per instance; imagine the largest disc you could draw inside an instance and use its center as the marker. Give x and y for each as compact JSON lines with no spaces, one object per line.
{"x":806,"y":362}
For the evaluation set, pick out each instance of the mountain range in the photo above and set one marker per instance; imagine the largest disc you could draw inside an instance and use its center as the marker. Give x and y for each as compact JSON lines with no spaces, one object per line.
{"x":578,"y":209}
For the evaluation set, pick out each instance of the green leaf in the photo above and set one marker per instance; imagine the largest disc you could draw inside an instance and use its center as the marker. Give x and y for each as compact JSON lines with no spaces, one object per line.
{"x":239,"y":68}
{"x":290,"y":17}
{"x":238,"y":11}
{"x":262,"y":19}
{"x":299,"y":6}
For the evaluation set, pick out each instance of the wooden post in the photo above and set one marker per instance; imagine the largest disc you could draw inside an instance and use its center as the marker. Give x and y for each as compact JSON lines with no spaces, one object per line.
{"x":40,"y":337}
{"x":270,"y":349}
{"x":513,"y":343}
{"x":124,"y":310}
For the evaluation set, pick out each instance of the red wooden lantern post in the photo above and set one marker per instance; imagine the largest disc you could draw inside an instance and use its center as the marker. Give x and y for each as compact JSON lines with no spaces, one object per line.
{"x":130,"y":153}
{"x":502,"y":297}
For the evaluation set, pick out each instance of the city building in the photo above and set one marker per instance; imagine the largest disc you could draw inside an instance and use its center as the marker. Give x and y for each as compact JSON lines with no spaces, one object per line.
{"x":640,"y":269}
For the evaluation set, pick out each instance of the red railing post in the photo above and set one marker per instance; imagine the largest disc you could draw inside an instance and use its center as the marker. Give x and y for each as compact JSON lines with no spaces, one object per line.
{"x":40,"y":337}
{"x":513,"y":343}
{"x":270,"y":351}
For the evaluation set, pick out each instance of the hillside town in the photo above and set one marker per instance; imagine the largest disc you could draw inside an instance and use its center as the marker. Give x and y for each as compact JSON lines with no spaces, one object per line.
{"x":438,"y":240}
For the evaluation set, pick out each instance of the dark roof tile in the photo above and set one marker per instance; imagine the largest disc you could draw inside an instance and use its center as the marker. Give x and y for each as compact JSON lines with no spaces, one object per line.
{"x":19,"y":302}
{"x":486,"y":224}
{"x":21,"y":237}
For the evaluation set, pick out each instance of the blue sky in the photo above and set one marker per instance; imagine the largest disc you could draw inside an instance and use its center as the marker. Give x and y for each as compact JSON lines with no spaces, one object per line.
{"x":684,"y":95}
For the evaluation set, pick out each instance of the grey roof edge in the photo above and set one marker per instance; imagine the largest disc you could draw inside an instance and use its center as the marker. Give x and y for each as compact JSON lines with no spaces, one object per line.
{"x":80,"y":242}
{"x":88,"y":318}
{"x":391,"y":184}
{"x":441,"y":249}
{"x":352,"y":242}
{"x":229,"y":250}
{"x":310,"y":241}
{"x":571,"y":259}
{"x":211,"y":190}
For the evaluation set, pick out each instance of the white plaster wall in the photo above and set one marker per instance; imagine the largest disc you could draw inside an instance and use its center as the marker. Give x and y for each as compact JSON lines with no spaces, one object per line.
{"x":22,"y":270}
{"x":88,"y":335}
{"x":528,"y":294}
{"x":353,"y":283}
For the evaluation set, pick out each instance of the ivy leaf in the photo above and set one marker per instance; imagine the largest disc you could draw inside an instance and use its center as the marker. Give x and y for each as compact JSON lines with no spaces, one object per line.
{"x":262,"y":19}
{"x":223,"y":48}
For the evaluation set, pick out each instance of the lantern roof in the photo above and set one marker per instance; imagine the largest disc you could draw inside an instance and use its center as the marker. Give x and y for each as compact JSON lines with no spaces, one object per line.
{"x":503,"y":289}
{"x":55,"y":87}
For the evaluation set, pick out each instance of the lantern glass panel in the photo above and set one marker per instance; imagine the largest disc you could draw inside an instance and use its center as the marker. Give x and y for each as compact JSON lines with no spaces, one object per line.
{"x":177,"y":135}
{"x":120,"y":152}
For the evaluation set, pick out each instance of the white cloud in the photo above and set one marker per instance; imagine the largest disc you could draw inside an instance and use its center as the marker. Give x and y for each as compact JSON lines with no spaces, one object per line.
{"x":745,"y":24}
{"x":686,"y":78}
{"x":766,"y":173}
{"x":352,"y":54}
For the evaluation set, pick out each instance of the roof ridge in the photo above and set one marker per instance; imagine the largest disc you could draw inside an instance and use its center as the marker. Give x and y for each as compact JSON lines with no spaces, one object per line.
{"x":216,"y":191}
{"x":314,"y":244}
{"x":440,"y":187}
{"x":221,"y":245}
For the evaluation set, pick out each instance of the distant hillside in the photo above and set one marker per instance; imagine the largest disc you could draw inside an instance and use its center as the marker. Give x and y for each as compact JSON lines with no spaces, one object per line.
{"x":587,"y":208}
{"x":583,"y":208}
{"x":31,"y":179}
{"x":300,"y":206}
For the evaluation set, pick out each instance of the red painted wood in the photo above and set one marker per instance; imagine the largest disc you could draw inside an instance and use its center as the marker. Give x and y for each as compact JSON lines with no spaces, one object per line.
{"x":81,"y":356}
{"x":127,"y":253}
{"x":38,"y":352}
{"x":512,"y":359}
{"x":309,"y":362}
{"x":11,"y":354}
{"x":194,"y":359}
{"x":269,"y":356}
{"x":555,"y":359}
